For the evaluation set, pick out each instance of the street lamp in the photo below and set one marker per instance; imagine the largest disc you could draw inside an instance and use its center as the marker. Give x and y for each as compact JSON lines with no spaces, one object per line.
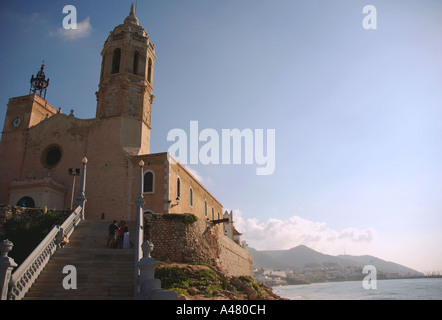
{"x":73,"y":173}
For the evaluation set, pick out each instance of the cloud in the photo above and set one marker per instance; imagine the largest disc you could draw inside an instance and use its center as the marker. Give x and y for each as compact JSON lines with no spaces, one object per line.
{"x":36,"y":22}
{"x":278,"y":234}
{"x":83,"y":30}
{"x":357,"y":235}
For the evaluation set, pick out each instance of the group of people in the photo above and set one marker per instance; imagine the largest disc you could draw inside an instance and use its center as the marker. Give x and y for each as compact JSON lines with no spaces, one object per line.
{"x":118,"y":236}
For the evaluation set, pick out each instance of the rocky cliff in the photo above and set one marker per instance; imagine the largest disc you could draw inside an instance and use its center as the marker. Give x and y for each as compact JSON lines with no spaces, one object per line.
{"x":203,"y":282}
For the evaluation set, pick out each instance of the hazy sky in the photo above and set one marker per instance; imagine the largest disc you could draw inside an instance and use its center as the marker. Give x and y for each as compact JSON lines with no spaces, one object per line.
{"x":357,"y":113}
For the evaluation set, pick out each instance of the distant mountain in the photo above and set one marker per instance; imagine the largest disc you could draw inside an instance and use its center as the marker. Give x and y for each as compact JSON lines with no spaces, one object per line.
{"x":385,"y":266}
{"x":297,"y":257}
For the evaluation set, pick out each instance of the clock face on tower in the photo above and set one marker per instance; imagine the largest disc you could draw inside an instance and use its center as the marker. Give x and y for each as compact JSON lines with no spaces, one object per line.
{"x":16,"y":122}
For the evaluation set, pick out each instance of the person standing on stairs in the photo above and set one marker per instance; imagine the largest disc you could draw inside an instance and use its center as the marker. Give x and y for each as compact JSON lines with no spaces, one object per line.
{"x":126,"y":237}
{"x":120,"y":234}
{"x":112,"y":234}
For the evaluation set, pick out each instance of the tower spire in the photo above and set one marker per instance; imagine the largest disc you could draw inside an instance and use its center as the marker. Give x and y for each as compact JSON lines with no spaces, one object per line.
{"x":132,"y":18}
{"x":127,"y":67}
{"x":132,"y":9}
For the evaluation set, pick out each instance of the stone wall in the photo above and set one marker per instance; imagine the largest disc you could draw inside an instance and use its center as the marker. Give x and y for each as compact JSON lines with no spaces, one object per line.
{"x":177,"y":241}
{"x":234,"y":258}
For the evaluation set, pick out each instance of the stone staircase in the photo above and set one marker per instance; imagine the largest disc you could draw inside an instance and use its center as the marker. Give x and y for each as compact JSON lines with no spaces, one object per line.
{"x":102,"y":273}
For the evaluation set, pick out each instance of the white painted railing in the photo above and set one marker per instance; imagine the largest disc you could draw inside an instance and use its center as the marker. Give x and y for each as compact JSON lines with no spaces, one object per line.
{"x":71,"y":222}
{"x":26,"y":274}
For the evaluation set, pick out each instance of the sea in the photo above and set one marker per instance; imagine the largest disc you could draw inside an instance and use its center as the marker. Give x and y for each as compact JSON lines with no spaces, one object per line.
{"x":397,"y":289}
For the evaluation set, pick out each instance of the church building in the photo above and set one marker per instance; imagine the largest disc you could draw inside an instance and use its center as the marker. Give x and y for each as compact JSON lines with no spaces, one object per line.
{"x":41,"y":147}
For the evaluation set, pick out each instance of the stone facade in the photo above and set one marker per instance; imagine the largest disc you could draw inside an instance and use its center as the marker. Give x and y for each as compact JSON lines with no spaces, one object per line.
{"x":168,"y":176}
{"x":200,"y":241}
{"x":107,"y":143}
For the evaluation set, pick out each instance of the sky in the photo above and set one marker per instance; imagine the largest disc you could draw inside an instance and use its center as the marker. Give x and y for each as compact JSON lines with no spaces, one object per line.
{"x":356,"y":112}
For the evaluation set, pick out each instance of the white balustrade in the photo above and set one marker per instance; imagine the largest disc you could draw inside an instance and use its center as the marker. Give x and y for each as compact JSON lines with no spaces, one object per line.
{"x":26,"y":274}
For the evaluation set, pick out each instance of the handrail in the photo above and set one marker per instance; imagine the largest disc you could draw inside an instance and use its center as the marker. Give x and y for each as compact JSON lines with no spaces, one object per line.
{"x":71,"y":222}
{"x":26,"y":274}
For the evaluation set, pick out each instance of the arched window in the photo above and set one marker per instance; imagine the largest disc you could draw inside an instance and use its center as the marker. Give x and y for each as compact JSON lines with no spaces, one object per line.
{"x":213,"y":214}
{"x":135,"y":64}
{"x":148,"y":182}
{"x":116,"y":61}
{"x":26,"y":202}
{"x":149,"y":70}
{"x":205,"y":208}
{"x":218,"y":216}
{"x":178,"y":188}
{"x":191,"y":197}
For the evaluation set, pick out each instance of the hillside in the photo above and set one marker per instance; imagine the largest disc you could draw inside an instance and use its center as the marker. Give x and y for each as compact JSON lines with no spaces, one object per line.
{"x":297,"y":257}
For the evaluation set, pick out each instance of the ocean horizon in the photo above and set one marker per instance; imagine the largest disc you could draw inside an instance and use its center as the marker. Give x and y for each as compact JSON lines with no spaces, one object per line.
{"x":389,"y":289}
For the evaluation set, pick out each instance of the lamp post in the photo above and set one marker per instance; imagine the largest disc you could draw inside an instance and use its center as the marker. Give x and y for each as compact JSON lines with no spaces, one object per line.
{"x":73,"y":173}
{"x":139,"y":235}
{"x":139,"y":217}
{"x":177,"y":202}
{"x":81,"y":198}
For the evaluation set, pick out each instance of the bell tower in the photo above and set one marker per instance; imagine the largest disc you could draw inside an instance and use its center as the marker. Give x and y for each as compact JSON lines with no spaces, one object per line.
{"x":127,"y":66}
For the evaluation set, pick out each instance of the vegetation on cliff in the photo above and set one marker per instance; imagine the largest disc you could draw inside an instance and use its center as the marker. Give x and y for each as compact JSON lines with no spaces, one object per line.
{"x":202,"y":281}
{"x":187,"y":218}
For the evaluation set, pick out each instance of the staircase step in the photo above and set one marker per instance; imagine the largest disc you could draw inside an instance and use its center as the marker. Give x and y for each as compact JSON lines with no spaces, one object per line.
{"x":102,"y":273}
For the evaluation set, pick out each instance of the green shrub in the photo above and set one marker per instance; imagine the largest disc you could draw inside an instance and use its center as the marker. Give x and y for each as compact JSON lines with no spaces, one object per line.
{"x":27,"y":234}
{"x":258,"y":289}
{"x":185,"y":218}
{"x":179,"y":280}
{"x":180,"y":291}
{"x":173,"y":277}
